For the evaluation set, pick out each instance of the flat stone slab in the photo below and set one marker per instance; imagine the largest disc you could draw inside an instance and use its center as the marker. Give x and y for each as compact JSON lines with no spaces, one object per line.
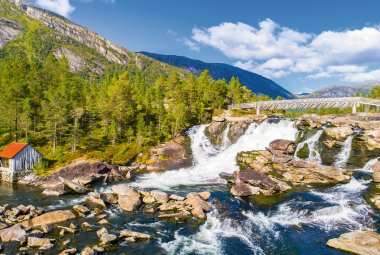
{"x":360,"y":242}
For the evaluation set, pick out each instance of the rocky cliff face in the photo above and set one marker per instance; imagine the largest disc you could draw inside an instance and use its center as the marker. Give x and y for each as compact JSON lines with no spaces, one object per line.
{"x":8,"y":31}
{"x":111,"y":51}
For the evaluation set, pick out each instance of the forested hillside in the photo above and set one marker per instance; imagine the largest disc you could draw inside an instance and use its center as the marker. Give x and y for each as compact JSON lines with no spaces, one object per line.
{"x":105,"y":110}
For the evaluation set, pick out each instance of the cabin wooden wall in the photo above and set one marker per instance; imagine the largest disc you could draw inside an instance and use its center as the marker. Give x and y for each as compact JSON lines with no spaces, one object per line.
{"x":25,"y":159}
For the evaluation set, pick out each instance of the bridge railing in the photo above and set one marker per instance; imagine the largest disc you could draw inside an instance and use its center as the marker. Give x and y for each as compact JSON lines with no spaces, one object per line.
{"x":370,"y":101}
{"x":339,"y":102}
{"x":299,"y":103}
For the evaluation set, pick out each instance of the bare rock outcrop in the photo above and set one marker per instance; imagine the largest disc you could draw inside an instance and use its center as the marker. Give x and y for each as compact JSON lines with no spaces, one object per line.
{"x":8,"y":31}
{"x":360,"y":242}
{"x":275,"y":171}
{"x":339,"y":133}
{"x":170,"y":155}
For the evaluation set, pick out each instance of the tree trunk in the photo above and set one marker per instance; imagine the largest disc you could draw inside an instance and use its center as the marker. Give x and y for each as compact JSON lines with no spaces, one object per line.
{"x":55,"y":138}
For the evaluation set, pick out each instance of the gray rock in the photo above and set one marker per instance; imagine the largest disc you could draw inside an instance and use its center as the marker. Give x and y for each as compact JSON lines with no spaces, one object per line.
{"x":360,"y":242}
{"x":13,"y":234}
{"x":136,"y":235}
{"x":105,"y":237}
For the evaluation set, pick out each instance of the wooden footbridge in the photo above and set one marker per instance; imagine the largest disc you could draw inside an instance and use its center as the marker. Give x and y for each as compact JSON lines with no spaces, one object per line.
{"x":341,"y":102}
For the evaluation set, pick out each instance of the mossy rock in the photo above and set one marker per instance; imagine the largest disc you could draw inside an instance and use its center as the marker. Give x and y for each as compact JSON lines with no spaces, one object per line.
{"x":360,"y":154}
{"x":270,"y":200}
{"x":304,"y":152}
{"x":215,"y":135}
{"x":374,"y":190}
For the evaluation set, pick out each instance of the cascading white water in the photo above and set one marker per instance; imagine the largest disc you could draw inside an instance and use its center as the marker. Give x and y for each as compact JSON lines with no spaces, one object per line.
{"x":225,"y":139}
{"x":201,"y":146}
{"x":344,"y":155}
{"x":312,"y":143}
{"x":208,"y":239}
{"x":368,"y":166}
{"x":207,"y":168}
{"x":346,"y":208}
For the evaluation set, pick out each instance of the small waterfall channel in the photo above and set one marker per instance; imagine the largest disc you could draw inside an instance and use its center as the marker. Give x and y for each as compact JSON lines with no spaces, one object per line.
{"x":312,"y":143}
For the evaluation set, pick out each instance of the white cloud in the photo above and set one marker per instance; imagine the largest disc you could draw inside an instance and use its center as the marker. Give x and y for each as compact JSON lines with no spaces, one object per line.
{"x":277,"y":51}
{"x":241,"y":41}
{"x":346,"y":69}
{"x":61,"y":7}
{"x":370,"y":76}
{"x":64,"y":7}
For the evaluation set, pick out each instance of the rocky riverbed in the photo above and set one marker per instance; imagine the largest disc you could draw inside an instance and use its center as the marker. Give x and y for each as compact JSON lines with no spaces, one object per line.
{"x":266,"y":186}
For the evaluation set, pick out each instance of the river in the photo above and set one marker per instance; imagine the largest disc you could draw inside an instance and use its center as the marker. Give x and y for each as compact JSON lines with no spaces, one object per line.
{"x":298,"y":223}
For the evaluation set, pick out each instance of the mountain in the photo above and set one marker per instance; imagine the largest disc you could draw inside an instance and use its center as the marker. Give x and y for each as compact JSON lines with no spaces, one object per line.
{"x":257,"y":83}
{"x":341,"y":91}
{"x":92,"y":55}
{"x":85,"y":50}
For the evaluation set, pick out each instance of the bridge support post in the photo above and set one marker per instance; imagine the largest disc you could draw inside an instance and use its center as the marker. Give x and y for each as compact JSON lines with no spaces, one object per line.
{"x":257,"y":110}
{"x":354,"y":109}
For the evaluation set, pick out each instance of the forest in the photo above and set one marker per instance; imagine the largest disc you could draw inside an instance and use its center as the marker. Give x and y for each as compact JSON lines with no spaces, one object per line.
{"x":67,"y":116}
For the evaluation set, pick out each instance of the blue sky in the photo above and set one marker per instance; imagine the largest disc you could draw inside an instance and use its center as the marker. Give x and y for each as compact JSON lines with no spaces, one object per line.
{"x":302,"y":45}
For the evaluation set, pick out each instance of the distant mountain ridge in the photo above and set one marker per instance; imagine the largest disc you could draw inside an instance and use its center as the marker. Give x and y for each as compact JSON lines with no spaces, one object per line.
{"x":255,"y":82}
{"x":341,"y":91}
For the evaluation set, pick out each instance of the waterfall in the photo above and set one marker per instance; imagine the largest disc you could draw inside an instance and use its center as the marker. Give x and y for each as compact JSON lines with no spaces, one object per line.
{"x":201,"y":147}
{"x":312,"y":143}
{"x":225,"y":139}
{"x":207,"y":166}
{"x":368,"y":166}
{"x":344,"y":155}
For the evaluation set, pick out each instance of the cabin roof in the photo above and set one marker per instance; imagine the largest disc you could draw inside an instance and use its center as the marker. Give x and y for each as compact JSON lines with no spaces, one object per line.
{"x":12,"y":150}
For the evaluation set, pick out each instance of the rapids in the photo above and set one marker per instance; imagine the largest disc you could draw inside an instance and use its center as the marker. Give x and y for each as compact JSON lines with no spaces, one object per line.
{"x":209,"y":162}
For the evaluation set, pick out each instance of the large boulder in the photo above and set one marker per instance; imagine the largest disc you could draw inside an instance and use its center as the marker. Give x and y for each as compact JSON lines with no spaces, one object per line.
{"x":50,"y":218}
{"x":360,"y":242}
{"x":283,"y":145}
{"x":267,"y":172}
{"x":159,"y":196}
{"x":194,"y":200}
{"x":105,"y":237}
{"x":309,"y":121}
{"x":372,"y":137}
{"x":251,"y":182}
{"x":77,"y":188}
{"x":95,"y":201}
{"x":75,"y":171}
{"x":170,"y":155}
{"x":13,"y":234}
{"x":339,"y":133}
{"x":39,"y":243}
{"x":136,"y":235}
{"x":129,"y":203}
{"x":128,"y":199}
{"x":122,"y":189}
{"x":237,"y":129}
